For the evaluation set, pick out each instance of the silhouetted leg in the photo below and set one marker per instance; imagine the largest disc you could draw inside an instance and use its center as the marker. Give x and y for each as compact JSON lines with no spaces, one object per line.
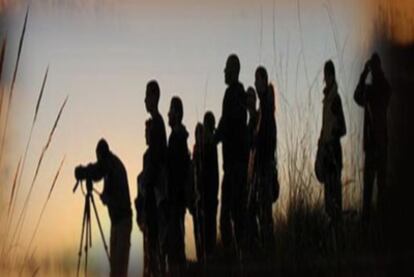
{"x":252,"y":227}
{"x":225,"y":217}
{"x":267,"y":213}
{"x":162,"y":231}
{"x":196,"y":235}
{"x":214,"y":227}
{"x":181,"y":249}
{"x":120,"y":246}
{"x":152,"y":237}
{"x":146,"y":271}
{"x":202,"y":234}
{"x":176,"y":252}
{"x":328,"y":196}
{"x":251,"y":215}
{"x":337,"y":194}
{"x":268,"y":235}
{"x":124,"y":245}
{"x":266,"y":223}
{"x":369,"y":176}
{"x":113,"y":251}
{"x":153,"y":251}
{"x":382,"y":179}
{"x":211,"y":212}
{"x":239,"y":204}
{"x":333,"y":196}
{"x":265,"y":209}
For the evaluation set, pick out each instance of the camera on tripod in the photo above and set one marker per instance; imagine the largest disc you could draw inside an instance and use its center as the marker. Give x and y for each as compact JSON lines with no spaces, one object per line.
{"x":82,"y":173}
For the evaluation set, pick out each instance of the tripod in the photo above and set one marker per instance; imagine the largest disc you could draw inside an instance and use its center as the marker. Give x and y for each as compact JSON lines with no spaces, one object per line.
{"x":86,"y":233}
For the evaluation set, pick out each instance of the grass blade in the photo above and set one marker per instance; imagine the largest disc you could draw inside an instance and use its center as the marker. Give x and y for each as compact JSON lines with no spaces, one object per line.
{"x":12,"y":197}
{"x":16,"y":67}
{"x":2,"y":54}
{"x":22,"y":216}
{"x":14,"y":186}
{"x":45,"y":204}
{"x":29,"y":140}
{"x":40,"y":95}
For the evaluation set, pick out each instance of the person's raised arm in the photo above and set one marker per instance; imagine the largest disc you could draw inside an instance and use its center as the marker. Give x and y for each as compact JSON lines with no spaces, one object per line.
{"x":360,"y":91}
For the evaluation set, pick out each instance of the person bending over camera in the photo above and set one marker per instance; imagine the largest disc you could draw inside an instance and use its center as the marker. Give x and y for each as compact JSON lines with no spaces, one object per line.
{"x":116,"y":197}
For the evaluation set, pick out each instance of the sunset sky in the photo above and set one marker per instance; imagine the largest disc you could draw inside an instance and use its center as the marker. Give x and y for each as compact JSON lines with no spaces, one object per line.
{"x":102,"y":53}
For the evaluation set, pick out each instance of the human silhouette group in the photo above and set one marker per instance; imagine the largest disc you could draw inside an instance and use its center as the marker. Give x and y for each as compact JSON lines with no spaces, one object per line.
{"x":174,"y":179}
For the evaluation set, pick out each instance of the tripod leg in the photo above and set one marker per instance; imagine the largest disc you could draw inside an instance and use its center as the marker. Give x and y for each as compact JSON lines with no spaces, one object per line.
{"x":90,"y":223}
{"x":100,"y":228}
{"x":87,"y":235}
{"x":81,"y":239}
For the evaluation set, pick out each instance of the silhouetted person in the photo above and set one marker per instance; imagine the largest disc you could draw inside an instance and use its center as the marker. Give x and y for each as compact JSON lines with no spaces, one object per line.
{"x":211,"y":182}
{"x":265,"y":162}
{"x":116,"y":197}
{"x":140,"y":204}
{"x":156,"y":194}
{"x":252,"y":127}
{"x":206,"y":179}
{"x":178,"y":160}
{"x":374,"y":98}
{"x":333,"y":128}
{"x":232,"y":132}
{"x":199,"y":194}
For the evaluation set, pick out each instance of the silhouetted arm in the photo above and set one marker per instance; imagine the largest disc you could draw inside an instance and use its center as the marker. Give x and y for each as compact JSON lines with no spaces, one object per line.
{"x":339,"y":129}
{"x":360,"y":91}
{"x":218,"y":136}
{"x":222,"y":125}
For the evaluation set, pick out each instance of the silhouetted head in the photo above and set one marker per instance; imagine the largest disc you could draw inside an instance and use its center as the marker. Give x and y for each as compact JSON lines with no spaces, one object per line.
{"x":148,"y":124}
{"x":209,"y":121}
{"x":329,"y":73}
{"x":375,"y":65}
{"x":232,"y":70}
{"x":261,"y":81}
{"x":251,"y":99}
{"x":199,"y":133}
{"x":175,"y":115}
{"x":102,"y":150}
{"x":152,"y":96}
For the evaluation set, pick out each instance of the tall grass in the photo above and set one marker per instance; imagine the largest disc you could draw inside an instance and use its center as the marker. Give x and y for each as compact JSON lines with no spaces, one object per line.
{"x":44,"y":208}
{"x":17,"y":185}
{"x":7,"y":259}
{"x":16,"y":67}
{"x":22,"y":216}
